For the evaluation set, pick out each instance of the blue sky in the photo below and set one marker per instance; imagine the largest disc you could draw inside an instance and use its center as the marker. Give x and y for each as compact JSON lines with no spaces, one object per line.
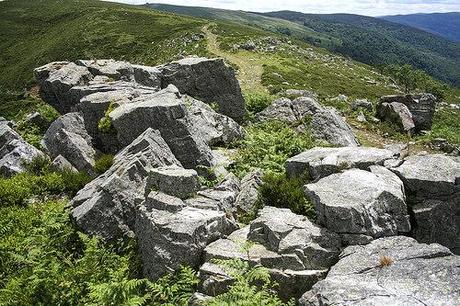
{"x":364,"y":7}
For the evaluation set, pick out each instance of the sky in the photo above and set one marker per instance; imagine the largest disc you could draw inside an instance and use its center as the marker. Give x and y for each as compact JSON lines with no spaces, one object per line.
{"x":362,"y":7}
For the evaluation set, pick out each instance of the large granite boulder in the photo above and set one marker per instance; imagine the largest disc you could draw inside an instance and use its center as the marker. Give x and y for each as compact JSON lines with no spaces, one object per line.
{"x":432,"y":184}
{"x":390,"y":271}
{"x":171,"y":235}
{"x":164,"y":111}
{"x":361,"y":205}
{"x":330,"y":126}
{"x":296,"y":252}
{"x":56,"y":79}
{"x":14,"y":151}
{"x":208,"y":80}
{"x":67,"y":136}
{"x":398,"y":114}
{"x":107,"y":206}
{"x":321,"y":162}
{"x":326,"y":123}
{"x":422,"y":107}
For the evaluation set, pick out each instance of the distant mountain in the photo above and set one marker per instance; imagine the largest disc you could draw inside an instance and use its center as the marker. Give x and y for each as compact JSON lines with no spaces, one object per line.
{"x":370,"y":40}
{"x":446,"y":25}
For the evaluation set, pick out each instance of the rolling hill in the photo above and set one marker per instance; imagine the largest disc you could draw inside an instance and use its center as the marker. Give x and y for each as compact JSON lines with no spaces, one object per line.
{"x":446,"y":25}
{"x":366,"y":39}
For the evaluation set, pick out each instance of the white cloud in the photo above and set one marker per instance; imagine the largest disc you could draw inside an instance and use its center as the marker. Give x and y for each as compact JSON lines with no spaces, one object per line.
{"x":364,"y":7}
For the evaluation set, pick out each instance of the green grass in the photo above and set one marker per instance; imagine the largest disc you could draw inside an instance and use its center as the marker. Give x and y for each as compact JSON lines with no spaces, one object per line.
{"x":33,"y":35}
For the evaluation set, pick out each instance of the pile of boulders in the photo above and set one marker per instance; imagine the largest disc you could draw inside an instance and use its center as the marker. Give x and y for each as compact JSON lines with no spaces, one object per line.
{"x":410,"y":113}
{"x":169,"y":188}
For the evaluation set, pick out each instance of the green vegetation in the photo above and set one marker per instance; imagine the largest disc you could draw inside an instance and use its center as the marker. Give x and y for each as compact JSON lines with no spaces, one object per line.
{"x":446,"y":124}
{"x":268,"y":145}
{"x":252,"y":286}
{"x":366,"y":39}
{"x":46,"y":261}
{"x":105,"y":124}
{"x":280,"y":191}
{"x":257,"y":102}
{"x":103,"y":163}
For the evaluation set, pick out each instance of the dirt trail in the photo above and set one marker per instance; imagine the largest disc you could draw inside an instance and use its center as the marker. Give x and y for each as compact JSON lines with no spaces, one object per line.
{"x":249,"y":64}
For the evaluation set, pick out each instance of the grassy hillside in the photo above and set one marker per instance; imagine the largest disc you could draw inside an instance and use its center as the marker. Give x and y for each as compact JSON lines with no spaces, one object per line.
{"x":366,"y":39}
{"x":446,"y":25}
{"x":380,"y":42}
{"x":35,"y":32}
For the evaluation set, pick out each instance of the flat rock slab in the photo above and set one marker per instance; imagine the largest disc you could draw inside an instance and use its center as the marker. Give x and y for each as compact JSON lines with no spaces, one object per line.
{"x":414,"y":274}
{"x":321,"y":162}
{"x":358,"y":202}
{"x":175,"y":181}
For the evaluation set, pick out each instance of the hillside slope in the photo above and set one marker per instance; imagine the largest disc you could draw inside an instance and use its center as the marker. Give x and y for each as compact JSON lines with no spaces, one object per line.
{"x":446,"y":25}
{"x":380,"y":42}
{"x":366,"y":39}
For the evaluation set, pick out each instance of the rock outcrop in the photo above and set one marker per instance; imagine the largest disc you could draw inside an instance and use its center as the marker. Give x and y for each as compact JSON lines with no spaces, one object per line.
{"x":107,"y":206}
{"x":326,"y":123}
{"x":398,"y":114}
{"x":432,"y":184}
{"x":56,"y":79}
{"x":14,"y":151}
{"x":164,"y":111}
{"x":175,"y":181}
{"x":321,"y":162}
{"x":296,"y":252}
{"x":390,"y":271}
{"x":249,"y":192}
{"x":67,"y":136}
{"x":421,"y":107}
{"x":361,"y":205}
{"x":208,"y":80}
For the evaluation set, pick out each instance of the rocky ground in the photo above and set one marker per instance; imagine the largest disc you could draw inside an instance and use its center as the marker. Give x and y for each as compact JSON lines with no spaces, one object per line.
{"x":387,"y":226}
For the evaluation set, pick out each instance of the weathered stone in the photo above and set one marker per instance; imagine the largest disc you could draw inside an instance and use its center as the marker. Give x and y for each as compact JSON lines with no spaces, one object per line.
{"x":60,"y":163}
{"x":432,"y":184}
{"x":361,"y":103}
{"x":161,"y":201}
{"x":330,"y":126}
{"x":14,"y":151}
{"x":296,"y":252}
{"x":115,"y":70}
{"x":174,"y":180}
{"x":326,"y":123}
{"x":107,"y":205}
{"x":36,"y":119}
{"x":168,"y":240}
{"x":214,"y":128}
{"x":247,"y":198}
{"x":398,"y":114}
{"x":422,"y":108}
{"x":147,"y":76}
{"x":321,"y":162}
{"x":68,"y":137}
{"x":370,"y":203}
{"x":56,"y":80}
{"x":208,"y":80}
{"x":166,"y":112}
{"x":414,"y":274}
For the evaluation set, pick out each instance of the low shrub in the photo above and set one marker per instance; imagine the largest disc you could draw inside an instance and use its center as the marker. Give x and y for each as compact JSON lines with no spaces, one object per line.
{"x":257,"y":101}
{"x":268,"y":145}
{"x":103,"y":163}
{"x":277,"y":190}
{"x":105,"y":124}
